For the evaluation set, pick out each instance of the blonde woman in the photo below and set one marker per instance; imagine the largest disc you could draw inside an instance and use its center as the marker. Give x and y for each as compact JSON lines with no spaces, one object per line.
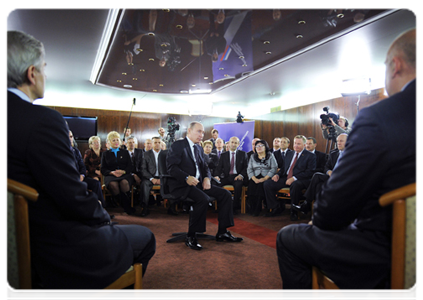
{"x":116,"y":167}
{"x":92,"y":158}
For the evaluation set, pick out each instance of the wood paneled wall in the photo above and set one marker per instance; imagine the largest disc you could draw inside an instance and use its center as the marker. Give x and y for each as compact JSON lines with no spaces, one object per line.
{"x":303,"y":120}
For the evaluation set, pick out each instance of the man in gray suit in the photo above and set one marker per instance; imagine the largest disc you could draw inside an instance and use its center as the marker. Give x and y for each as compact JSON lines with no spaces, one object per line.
{"x":150,"y":173}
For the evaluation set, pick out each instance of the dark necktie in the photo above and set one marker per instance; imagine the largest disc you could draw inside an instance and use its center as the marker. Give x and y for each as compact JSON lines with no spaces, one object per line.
{"x":291,"y":170}
{"x":197,"y":159}
{"x":232,"y":163}
{"x":218,"y":154}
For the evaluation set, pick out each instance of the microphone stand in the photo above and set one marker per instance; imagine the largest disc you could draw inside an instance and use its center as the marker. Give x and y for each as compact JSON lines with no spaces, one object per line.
{"x":127,"y":124}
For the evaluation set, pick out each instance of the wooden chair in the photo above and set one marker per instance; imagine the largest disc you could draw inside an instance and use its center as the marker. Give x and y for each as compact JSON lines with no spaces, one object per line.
{"x":243,"y":196}
{"x":403,"y":260}
{"x":19,"y":251}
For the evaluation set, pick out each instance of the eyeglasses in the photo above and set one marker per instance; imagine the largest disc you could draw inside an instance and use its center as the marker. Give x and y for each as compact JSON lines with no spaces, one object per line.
{"x":260,"y":146}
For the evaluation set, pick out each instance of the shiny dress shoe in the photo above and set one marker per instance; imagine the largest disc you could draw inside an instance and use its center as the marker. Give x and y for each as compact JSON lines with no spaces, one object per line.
{"x":274,"y":213}
{"x":145,"y":212}
{"x":171,"y":211}
{"x":303,"y":208}
{"x":227,"y":237}
{"x":191,"y":242}
{"x":294,"y":216}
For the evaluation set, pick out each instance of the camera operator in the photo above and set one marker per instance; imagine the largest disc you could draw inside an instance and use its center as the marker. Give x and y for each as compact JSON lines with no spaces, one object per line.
{"x":341,"y":127}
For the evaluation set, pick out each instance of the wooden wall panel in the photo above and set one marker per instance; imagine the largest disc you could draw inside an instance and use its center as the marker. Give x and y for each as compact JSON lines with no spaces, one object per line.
{"x":303,"y":120}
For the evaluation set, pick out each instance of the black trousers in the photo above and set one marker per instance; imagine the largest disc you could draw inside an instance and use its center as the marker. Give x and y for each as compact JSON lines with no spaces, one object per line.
{"x":237,"y":184}
{"x":295,"y":189}
{"x":352,"y":258}
{"x":201,"y":200}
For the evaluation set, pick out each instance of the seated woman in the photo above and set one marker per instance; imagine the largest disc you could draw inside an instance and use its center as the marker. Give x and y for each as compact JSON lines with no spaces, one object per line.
{"x":92,"y":158}
{"x":116,"y":167}
{"x":261,"y":167}
{"x":211,"y":158}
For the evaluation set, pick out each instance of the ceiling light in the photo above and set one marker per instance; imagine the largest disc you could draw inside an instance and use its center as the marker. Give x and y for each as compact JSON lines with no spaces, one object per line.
{"x":355,"y":86}
{"x":123,"y":73}
{"x":142,"y":70}
{"x":340,"y":16}
{"x":134,"y":78}
{"x":206,"y":77}
{"x":179,"y":26}
{"x":221,"y":69}
{"x":127,"y":86}
{"x":161,"y":84}
{"x":241,"y":57}
{"x":299,"y":36}
{"x":268,"y":52}
{"x":151,"y":34}
{"x":266,"y":42}
{"x":302,"y":22}
{"x":151,"y":59}
{"x":104,"y":42}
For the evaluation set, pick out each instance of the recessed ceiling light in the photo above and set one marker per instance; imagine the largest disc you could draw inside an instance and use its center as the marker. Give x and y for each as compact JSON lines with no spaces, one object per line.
{"x":221,"y":69}
{"x":241,"y":57}
{"x":340,"y":16}
{"x":127,"y":86}
{"x":179,"y":26}
{"x":151,"y":59}
{"x":134,"y":78}
{"x":161,"y":84}
{"x":142,"y":70}
{"x":151,"y":34}
{"x":119,"y":80}
{"x":154,"y":90}
{"x":268,"y":52}
{"x":299,"y":36}
{"x":301,"y":22}
{"x":183,"y":91}
{"x":123,"y":73}
{"x":244,"y":65}
{"x":266,"y":42}
{"x":206,"y":77}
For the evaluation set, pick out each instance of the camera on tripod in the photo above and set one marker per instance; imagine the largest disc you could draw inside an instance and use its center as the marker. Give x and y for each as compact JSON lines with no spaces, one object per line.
{"x":325,"y":117}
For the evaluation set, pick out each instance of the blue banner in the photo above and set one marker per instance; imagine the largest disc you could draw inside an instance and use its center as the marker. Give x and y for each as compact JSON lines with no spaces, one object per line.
{"x":238,"y":55}
{"x":244,"y":131}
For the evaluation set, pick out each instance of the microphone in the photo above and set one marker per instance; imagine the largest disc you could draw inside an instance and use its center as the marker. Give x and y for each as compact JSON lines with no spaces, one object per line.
{"x":134,"y":101}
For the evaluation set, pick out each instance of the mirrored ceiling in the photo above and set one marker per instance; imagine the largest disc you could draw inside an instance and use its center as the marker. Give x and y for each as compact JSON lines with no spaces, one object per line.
{"x":201,"y":51}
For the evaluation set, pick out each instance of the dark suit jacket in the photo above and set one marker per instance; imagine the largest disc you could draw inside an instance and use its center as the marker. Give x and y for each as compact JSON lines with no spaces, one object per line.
{"x":68,"y":240}
{"x":79,"y":163}
{"x":180,"y":164}
{"x":332,"y":158}
{"x":371,"y":166}
{"x":137,"y":161}
{"x":215,"y":151}
{"x":212,"y":161}
{"x":110,"y":162}
{"x":304,"y":167}
{"x":149,"y":166}
{"x":241,"y":165}
{"x":320,"y":161}
{"x":279,"y":159}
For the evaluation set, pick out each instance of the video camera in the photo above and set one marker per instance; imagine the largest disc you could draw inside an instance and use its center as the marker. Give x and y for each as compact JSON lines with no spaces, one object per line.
{"x":325,"y":117}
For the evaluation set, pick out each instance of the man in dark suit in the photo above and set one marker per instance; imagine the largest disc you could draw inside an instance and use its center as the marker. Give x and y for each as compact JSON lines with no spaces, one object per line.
{"x":321,"y":157}
{"x":137,"y":156}
{"x":150,"y":172}
{"x":296,"y":174}
{"x":191,"y":178}
{"x":253,"y":150}
{"x":350,"y":239}
{"x":73,"y":243}
{"x":276,"y":144}
{"x":232,"y":170}
{"x":284,"y":149}
{"x":319,"y":179}
{"x":219,"y":147}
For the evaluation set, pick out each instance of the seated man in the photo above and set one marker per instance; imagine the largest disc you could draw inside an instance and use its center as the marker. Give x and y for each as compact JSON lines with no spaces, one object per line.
{"x":320,"y":156}
{"x":319,"y":179}
{"x":232,"y":170}
{"x":350,"y":239}
{"x":150,"y":172}
{"x":191,"y":178}
{"x":92,"y":184}
{"x":137,"y":156}
{"x":296,"y":174}
{"x":220,"y":147}
{"x":73,"y":243}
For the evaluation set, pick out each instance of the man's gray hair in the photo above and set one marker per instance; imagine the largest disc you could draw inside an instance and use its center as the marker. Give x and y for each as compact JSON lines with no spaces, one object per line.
{"x":23,"y":51}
